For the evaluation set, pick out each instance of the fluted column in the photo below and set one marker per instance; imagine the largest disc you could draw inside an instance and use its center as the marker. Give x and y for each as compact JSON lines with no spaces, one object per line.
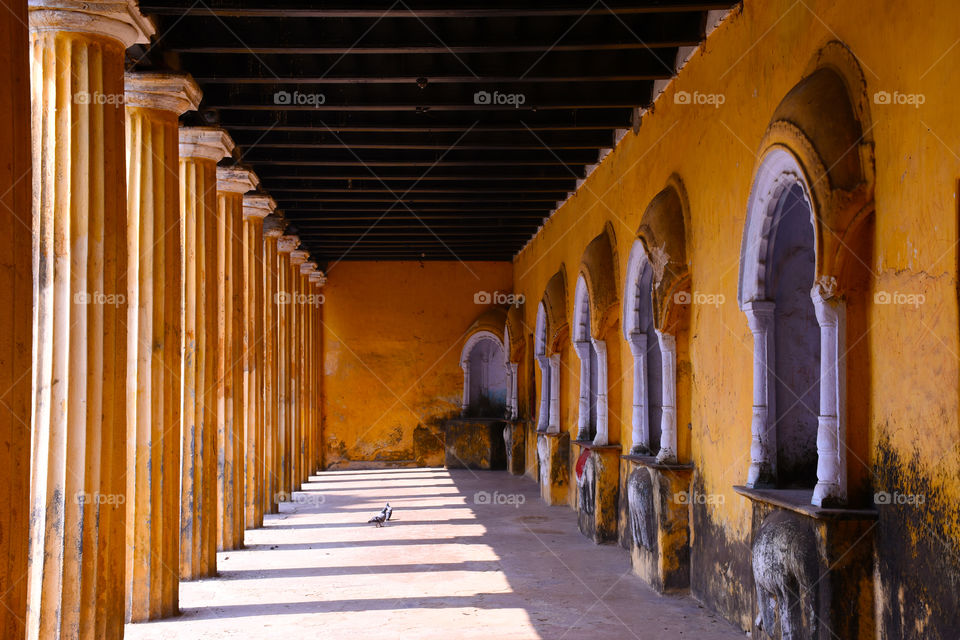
{"x":232,"y":183}
{"x":76,"y":569}
{"x":285,"y":245}
{"x":153,"y":103}
{"x":200,"y":150}
{"x":273,"y":226}
{"x":307,"y":394}
{"x":255,"y":209}
{"x":16,"y":296}
{"x":318,"y":280}
{"x":763,"y":431}
{"x":296,"y":306}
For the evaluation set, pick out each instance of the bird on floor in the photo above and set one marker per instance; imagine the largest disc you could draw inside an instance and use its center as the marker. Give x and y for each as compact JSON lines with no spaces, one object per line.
{"x":387,"y":511}
{"x":377,"y":519}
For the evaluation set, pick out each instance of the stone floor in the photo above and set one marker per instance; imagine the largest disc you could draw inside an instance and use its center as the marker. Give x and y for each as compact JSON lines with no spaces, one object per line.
{"x":457,"y":561}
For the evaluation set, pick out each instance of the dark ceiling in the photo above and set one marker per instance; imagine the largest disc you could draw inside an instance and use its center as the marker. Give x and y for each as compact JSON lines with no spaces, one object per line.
{"x":368,"y":123}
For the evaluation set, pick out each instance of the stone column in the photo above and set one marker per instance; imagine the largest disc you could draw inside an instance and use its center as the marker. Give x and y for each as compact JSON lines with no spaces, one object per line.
{"x":553,"y":426}
{"x":543,"y":418}
{"x":763,"y":432}
{"x":318,"y":280}
{"x":273,"y":227}
{"x":309,"y":371}
{"x":16,"y":297}
{"x":603,"y":431}
{"x":232,"y":183}
{"x":668,"y":417}
{"x":641,"y":415}
{"x":200,"y":150}
{"x":76,"y":567}
{"x":255,"y":209}
{"x":298,"y":303}
{"x":582,"y":347}
{"x":284,"y":301}
{"x":153,"y":103}
{"x":831,"y":487}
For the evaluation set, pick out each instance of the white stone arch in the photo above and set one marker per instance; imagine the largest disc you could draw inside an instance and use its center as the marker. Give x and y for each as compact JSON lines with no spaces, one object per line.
{"x":637,"y":304}
{"x":592,"y":411}
{"x":548,"y":416}
{"x":490,"y":380}
{"x":778,"y":172}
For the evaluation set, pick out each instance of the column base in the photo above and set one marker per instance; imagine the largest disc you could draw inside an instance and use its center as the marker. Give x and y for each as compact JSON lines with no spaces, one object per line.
{"x":828,"y":552}
{"x":656,"y":521}
{"x":474,"y":443}
{"x":553,"y":458}
{"x":598,"y":489}
{"x":514,"y":437}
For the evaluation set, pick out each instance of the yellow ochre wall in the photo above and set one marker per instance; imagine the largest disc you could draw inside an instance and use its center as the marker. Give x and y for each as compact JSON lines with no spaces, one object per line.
{"x":908,"y":398}
{"x":392,"y":336}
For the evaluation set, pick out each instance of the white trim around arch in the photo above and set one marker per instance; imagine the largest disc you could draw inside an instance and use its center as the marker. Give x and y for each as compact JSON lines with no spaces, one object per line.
{"x":638,"y":341}
{"x":549,"y":410}
{"x":468,"y":347}
{"x":779,"y":170}
{"x":583,"y":343}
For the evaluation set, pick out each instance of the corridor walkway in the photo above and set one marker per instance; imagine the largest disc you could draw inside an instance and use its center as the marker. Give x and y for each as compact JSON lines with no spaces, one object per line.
{"x":444,"y":567}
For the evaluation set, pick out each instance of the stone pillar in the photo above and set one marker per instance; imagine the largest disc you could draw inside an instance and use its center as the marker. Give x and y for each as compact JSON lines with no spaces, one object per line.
{"x":255,"y":209}
{"x":543,"y":418}
{"x":668,"y":417}
{"x":309,"y":371}
{"x":76,"y":566}
{"x":831,"y":487}
{"x":273,"y":227}
{"x":641,"y":416}
{"x":602,"y":437}
{"x":285,"y":384}
{"x":232,"y":183}
{"x":200,"y":150}
{"x":318,"y":279}
{"x":297,"y":305}
{"x":553,"y":426}
{"x":16,"y":297}
{"x":153,"y":103}
{"x":582,"y":347}
{"x":763,"y":432}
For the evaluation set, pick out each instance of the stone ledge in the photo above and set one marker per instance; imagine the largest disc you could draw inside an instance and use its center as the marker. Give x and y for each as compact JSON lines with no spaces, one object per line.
{"x":651,"y":462}
{"x":588,"y":444}
{"x":798,"y":501}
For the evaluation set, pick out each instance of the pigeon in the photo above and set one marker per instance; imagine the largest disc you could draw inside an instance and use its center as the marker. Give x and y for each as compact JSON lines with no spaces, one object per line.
{"x":388,"y":511}
{"x":378,"y":519}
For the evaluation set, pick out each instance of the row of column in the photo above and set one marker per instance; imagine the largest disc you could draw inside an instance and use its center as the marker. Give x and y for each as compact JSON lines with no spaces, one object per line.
{"x":175,"y":365}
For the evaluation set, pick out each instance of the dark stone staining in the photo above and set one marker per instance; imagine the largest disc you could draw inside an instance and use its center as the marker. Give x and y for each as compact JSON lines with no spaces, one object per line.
{"x":917,"y":558}
{"x":428,"y":445}
{"x":642,"y":524}
{"x":723,"y":579}
{"x":587,"y":497}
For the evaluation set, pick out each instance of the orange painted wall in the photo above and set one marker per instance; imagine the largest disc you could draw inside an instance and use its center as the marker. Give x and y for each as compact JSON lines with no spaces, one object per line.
{"x":392,"y":335}
{"x":907,"y":405}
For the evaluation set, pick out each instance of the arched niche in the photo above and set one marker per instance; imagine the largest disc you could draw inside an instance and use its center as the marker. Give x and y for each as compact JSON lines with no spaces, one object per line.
{"x":656,"y":299}
{"x":513,"y":341}
{"x":483,"y":360}
{"x":594,"y":311}
{"x":550,"y":331}
{"x":812,"y":188}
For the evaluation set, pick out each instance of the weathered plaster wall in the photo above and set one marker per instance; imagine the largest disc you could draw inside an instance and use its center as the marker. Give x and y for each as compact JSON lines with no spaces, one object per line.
{"x":903,"y":407}
{"x":393,"y":332}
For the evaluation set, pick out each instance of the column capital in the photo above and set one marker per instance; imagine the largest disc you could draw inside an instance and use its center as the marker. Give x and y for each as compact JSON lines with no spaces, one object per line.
{"x":117,"y":19}
{"x":174,"y":92}
{"x":258,"y":205}
{"x":299,"y":258}
{"x":318,"y":278}
{"x":211,"y":143}
{"x":287,"y":244}
{"x":307,"y":268}
{"x":236,"y":179}
{"x":273,"y":225}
